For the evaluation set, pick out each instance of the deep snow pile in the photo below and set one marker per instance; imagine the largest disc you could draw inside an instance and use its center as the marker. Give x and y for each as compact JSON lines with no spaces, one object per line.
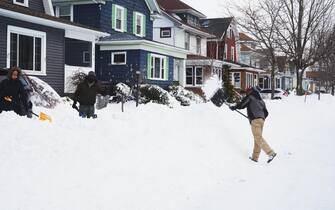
{"x":154,"y":157}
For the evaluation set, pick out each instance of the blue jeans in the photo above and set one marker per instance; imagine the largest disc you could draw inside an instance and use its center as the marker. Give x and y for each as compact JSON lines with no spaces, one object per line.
{"x":86,"y":111}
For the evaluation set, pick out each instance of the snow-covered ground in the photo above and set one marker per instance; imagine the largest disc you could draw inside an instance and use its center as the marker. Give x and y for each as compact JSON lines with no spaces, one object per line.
{"x":157,"y":158}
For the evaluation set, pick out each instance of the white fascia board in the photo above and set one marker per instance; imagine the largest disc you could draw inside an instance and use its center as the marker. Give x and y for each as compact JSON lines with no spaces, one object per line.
{"x":205,"y":62}
{"x":196,"y":31}
{"x":77,"y":2}
{"x":143,"y":45}
{"x":51,"y":23}
{"x":248,"y":69}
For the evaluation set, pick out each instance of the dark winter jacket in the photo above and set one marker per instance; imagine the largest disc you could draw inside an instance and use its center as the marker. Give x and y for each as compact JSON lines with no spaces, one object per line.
{"x":86,"y":93}
{"x":255,"y":105}
{"x":13,"y":89}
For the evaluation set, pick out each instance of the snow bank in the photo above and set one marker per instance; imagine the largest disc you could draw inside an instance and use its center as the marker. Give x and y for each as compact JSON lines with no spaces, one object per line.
{"x":153,"y":157}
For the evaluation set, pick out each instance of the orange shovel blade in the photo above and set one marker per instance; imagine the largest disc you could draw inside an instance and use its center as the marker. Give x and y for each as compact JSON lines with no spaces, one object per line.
{"x":45,"y":117}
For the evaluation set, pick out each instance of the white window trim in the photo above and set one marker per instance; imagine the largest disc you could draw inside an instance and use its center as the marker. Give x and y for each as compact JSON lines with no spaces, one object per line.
{"x":233,"y":79}
{"x":194,"y":76}
{"x":137,"y":14}
{"x":119,"y":53}
{"x":71,"y":11}
{"x":85,"y":61}
{"x":25,"y":4}
{"x":32,"y":33}
{"x":255,"y":79}
{"x":122,"y":18}
{"x":162,"y":60}
{"x":226,"y":51}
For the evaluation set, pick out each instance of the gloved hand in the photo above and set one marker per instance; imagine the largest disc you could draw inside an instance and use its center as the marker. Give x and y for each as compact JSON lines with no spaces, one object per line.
{"x":74,"y":105}
{"x":233,"y":108}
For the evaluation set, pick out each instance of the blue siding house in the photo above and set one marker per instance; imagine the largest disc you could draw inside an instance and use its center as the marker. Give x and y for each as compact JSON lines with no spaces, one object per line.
{"x":129,"y":48}
{"x":43,"y":45}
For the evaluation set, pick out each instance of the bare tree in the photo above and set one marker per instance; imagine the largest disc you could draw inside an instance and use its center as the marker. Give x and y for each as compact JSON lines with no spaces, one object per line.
{"x":301,"y":26}
{"x":260,"y":21}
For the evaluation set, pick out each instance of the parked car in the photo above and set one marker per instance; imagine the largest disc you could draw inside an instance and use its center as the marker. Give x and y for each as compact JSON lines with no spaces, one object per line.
{"x":279,"y":93}
{"x":27,"y":87}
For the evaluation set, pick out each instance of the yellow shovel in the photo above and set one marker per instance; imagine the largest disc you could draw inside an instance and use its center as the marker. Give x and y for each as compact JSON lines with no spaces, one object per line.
{"x":42,"y":116}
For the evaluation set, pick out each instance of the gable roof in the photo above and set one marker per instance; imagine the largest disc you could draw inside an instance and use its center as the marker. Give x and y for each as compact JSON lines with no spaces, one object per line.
{"x":179,"y":6}
{"x":245,"y":37}
{"x":19,"y":12}
{"x":217,"y":26}
{"x":245,"y":48}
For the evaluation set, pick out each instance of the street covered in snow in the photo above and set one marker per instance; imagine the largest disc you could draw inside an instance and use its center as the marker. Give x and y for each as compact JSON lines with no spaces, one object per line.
{"x":157,"y":158}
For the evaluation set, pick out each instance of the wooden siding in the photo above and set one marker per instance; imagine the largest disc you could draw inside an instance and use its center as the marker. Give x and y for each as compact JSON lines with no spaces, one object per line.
{"x":54,"y":50}
{"x":36,"y":5}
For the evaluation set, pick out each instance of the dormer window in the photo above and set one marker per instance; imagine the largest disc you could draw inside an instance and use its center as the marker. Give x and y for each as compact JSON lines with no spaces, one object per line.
{"x":21,"y":2}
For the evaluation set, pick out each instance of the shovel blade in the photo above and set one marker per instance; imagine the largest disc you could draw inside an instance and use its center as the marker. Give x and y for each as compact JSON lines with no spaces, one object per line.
{"x":45,"y":117}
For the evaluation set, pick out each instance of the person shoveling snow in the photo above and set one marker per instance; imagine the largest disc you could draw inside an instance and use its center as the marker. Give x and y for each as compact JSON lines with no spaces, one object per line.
{"x":86,"y":94}
{"x":257,"y":113}
{"x":13,"y":97}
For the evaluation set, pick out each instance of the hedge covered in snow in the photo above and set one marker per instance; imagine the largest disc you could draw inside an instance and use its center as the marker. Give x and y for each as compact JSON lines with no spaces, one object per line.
{"x":185,"y":97}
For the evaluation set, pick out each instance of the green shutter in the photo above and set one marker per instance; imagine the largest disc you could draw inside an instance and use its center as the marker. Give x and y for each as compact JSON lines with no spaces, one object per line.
{"x":113,"y":16}
{"x":149,"y":66}
{"x":166,"y":72}
{"x":144,"y":26}
{"x":134,"y":22}
{"x":125,"y":20}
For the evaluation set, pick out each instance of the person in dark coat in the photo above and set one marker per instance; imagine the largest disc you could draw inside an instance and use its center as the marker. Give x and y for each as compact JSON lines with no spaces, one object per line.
{"x":13,"y":96}
{"x":85,"y":94}
{"x":257,"y":113}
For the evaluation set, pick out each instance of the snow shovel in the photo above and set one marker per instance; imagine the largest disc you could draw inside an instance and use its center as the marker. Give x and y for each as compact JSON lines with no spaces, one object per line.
{"x":42,"y":116}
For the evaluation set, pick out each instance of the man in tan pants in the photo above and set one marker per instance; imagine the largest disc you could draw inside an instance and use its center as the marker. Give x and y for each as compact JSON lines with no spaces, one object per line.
{"x":257,"y":113}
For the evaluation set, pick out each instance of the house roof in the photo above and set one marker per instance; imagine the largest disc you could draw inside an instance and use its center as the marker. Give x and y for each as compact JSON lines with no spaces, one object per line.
{"x":217,"y":26}
{"x":245,"y":48}
{"x":245,"y":37}
{"x":179,"y":6}
{"x":33,"y":13}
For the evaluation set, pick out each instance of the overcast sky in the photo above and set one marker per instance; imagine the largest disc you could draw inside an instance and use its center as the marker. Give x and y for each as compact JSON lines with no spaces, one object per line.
{"x":215,"y":8}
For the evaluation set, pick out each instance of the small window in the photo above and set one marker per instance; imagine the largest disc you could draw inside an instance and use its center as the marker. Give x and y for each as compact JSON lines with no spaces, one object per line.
{"x":158,"y":67}
{"x":119,"y":58}
{"x":64,"y":12}
{"x":86,"y":57}
{"x":250,"y":80}
{"x":165,"y":32}
{"x":236,"y":79}
{"x":24,"y":3}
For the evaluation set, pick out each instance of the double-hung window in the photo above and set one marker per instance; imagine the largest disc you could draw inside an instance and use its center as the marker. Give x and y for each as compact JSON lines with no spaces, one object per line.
{"x":27,"y":50}
{"x":24,"y":3}
{"x":139,"y":21}
{"x":232,"y":53}
{"x":198,"y":45}
{"x":119,"y":18}
{"x":158,"y":67}
{"x":194,"y":76}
